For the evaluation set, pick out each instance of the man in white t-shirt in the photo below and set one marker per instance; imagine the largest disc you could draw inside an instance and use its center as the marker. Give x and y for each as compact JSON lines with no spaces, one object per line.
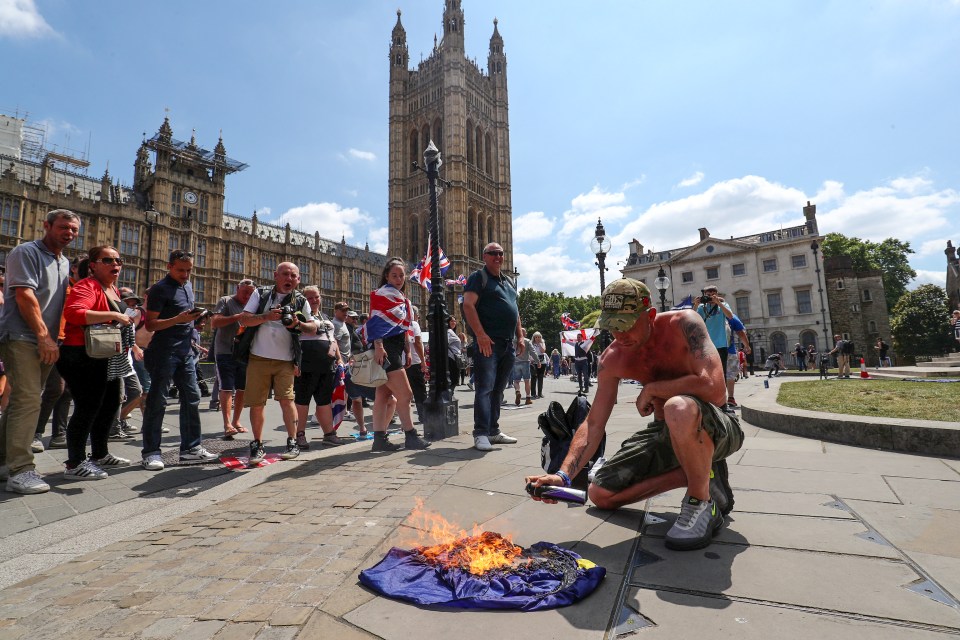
{"x":415,"y":370}
{"x":274,"y":358}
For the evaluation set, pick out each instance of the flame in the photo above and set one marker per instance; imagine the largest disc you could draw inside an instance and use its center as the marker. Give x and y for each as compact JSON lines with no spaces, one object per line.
{"x":444,"y":543}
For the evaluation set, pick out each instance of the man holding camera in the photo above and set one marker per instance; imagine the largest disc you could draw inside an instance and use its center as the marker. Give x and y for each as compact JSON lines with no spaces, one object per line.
{"x":170,"y":357}
{"x":278,"y":317}
{"x":715,"y":313}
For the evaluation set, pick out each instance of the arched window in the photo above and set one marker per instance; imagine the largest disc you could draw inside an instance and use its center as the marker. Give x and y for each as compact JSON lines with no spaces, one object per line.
{"x":469,"y":142}
{"x":872,"y":326}
{"x":438,"y":133}
{"x":415,"y":239}
{"x":487,"y":152}
{"x":480,"y":236}
{"x":479,"y":148}
{"x":808,"y":338}
{"x":414,"y":148}
{"x":778,"y":342}
{"x":472,"y":231}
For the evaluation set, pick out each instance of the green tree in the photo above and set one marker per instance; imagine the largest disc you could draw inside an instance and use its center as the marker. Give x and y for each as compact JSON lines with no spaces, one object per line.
{"x":920,"y":322}
{"x":889,"y":256}
{"x":540,"y":311}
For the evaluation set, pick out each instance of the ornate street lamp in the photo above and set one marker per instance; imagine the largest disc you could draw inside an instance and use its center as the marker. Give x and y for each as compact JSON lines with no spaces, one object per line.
{"x":662,"y":283}
{"x":441,"y":414}
{"x":151,"y":215}
{"x":600,"y":245}
{"x":823,"y":307}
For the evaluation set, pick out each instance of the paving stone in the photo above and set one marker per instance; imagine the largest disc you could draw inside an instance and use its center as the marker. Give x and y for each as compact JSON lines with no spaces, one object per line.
{"x":200,"y":630}
{"x":255,"y":613}
{"x":224,"y":610}
{"x":322,"y":626}
{"x":277,"y":633}
{"x":289,"y":616}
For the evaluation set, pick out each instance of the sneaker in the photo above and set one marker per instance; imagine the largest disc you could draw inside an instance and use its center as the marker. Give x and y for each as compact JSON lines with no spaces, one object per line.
{"x":731,"y":401}
{"x":348,"y":415}
{"x":86,"y":470}
{"x":381,"y":443}
{"x":595,"y":468}
{"x":482,"y":443}
{"x":292,"y":450}
{"x":27,"y":482}
{"x":517,"y":400}
{"x":333,"y":440}
{"x":502,"y":438}
{"x":36,"y":446}
{"x":214,"y":406}
{"x":413,"y":441}
{"x":720,"y":491}
{"x":302,"y":441}
{"x":58,"y":442}
{"x":197,"y":453}
{"x":256,"y":452}
{"x":152,"y":462}
{"x":470,"y":386}
{"x":312,"y":421}
{"x":164,"y":429}
{"x":695,"y":526}
{"x":117,"y":434}
{"x":111,"y":460}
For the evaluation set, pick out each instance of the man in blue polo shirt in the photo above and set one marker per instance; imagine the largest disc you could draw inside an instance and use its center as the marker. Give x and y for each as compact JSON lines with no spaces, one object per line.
{"x":170,"y":314}
{"x":490,"y":307}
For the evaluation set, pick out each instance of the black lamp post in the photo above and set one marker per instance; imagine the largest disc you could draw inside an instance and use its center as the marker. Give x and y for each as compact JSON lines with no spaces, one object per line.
{"x":151,"y":215}
{"x":600,"y":245}
{"x":662,"y":283}
{"x":823,"y":307}
{"x":441,"y":411}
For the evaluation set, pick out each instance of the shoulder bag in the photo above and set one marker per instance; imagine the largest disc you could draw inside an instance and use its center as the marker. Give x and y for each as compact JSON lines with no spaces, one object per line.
{"x":366,"y":371}
{"x":102,"y":341}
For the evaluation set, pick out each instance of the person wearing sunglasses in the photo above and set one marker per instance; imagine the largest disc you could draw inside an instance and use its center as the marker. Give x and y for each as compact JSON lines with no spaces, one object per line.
{"x":94,"y":382}
{"x":490,"y":307}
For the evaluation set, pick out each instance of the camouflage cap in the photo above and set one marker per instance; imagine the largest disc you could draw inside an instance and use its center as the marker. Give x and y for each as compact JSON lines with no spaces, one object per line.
{"x":622,"y":303}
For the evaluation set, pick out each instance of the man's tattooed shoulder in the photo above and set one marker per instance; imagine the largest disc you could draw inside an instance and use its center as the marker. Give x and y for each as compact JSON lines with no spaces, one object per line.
{"x":696,"y":335}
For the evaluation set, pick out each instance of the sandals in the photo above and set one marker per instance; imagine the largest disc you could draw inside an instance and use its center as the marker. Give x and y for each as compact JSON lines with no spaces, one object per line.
{"x":229,"y":433}
{"x":241,"y":429}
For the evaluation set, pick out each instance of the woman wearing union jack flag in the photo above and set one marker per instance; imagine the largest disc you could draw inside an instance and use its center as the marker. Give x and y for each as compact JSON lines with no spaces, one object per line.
{"x":390,"y":314}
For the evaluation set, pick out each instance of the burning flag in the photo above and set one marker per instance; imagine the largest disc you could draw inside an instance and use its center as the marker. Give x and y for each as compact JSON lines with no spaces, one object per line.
{"x":481,"y":570}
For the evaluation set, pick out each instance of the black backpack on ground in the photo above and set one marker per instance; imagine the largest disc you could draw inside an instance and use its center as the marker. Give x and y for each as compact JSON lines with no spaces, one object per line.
{"x":558,"y":427}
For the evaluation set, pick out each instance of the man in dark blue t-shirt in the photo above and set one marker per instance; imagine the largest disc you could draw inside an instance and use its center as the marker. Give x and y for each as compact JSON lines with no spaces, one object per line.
{"x":170,"y":357}
{"x":490,"y":307}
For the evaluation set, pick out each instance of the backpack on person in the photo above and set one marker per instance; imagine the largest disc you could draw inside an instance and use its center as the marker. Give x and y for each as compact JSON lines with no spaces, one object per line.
{"x":558,"y":427}
{"x":847,"y":348}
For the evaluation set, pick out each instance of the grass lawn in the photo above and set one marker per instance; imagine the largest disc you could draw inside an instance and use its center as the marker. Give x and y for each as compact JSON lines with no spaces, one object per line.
{"x":887,"y":398}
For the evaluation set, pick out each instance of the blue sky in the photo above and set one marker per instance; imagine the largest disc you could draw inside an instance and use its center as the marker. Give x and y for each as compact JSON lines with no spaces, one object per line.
{"x":658,"y":116}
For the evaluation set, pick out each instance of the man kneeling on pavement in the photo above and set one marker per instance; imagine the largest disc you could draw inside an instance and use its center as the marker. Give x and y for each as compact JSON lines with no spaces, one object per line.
{"x":687,"y":443}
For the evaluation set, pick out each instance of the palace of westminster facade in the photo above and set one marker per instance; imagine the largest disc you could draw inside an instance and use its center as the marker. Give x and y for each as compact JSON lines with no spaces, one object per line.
{"x":177,"y":197}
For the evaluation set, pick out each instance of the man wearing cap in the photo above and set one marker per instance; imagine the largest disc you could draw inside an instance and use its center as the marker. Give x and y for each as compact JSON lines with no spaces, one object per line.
{"x":683,"y":387}
{"x":231,"y":373}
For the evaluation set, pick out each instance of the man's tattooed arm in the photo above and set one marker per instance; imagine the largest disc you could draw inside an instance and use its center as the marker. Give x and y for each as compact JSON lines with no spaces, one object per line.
{"x":696,"y":334}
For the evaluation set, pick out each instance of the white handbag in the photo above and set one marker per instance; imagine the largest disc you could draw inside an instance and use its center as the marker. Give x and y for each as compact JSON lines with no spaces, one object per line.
{"x":366,"y":371}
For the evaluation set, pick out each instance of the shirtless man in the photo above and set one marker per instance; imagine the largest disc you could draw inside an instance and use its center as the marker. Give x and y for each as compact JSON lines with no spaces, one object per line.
{"x":683,"y":387}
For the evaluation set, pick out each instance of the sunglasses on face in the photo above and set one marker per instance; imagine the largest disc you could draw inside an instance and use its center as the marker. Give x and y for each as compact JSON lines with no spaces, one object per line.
{"x":494,"y":253}
{"x":108,"y":260}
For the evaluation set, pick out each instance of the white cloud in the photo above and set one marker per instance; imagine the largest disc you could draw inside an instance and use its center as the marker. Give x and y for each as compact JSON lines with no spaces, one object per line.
{"x":334,"y":221}
{"x":580,"y":221}
{"x":553,"y":269}
{"x":369,"y":156}
{"x":533,"y":226}
{"x":263,"y":213}
{"x":20,"y":19}
{"x":924,"y":276}
{"x":931,"y":248}
{"x":643,"y":178}
{"x":693,"y":180}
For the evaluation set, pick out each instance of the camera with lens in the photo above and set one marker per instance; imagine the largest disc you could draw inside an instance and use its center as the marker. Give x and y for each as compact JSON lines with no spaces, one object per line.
{"x":705,"y":297}
{"x":287,"y":315}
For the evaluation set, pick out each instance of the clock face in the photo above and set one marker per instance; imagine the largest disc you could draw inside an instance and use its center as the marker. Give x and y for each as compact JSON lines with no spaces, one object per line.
{"x":190,"y":197}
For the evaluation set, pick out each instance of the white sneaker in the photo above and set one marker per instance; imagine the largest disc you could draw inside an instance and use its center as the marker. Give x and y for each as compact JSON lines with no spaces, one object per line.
{"x":312,"y":421}
{"x":27,"y":482}
{"x":502,"y":438}
{"x":86,"y":470}
{"x":482,"y":443}
{"x":197,"y":453}
{"x":111,"y":460}
{"x":152,"y":462}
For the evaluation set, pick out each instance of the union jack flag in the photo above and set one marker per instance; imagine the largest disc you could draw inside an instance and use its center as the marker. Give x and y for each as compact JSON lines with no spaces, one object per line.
{"x":339,"y":401}
{"x":424,"y":268}
{"x":389,"y":314}
{"x":461,"y":280}
{"x":568,"y":322}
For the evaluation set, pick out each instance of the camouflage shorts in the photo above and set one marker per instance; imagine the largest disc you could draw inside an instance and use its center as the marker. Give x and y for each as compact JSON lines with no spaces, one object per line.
{"x":649,"y":453}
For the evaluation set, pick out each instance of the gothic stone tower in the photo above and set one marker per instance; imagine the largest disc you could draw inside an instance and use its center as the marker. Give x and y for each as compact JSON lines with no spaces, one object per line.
{"x":463,"y":109}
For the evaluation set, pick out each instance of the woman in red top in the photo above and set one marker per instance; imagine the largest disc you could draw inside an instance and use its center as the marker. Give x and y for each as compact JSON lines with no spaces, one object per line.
{"x":92,"y":300}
